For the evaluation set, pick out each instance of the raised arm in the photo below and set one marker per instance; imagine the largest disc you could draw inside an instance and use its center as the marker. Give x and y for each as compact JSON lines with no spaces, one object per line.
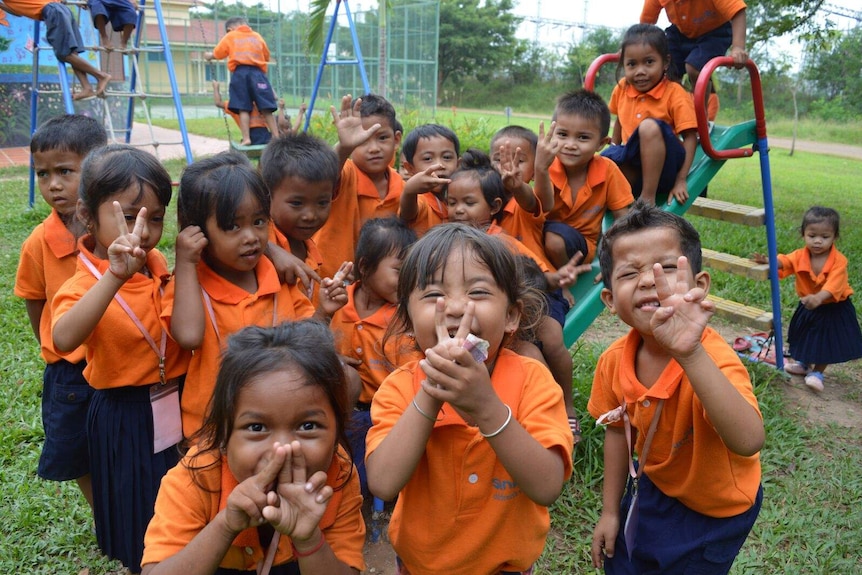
{"x":546,"y":151}
{"x":187,"y":319}
{"x":348,"y":123}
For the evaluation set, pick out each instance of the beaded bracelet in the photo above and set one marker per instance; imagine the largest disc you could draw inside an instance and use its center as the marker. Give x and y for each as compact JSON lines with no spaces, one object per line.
{"x":297,"y":553}
{"x":422,"y":413}
{"x":502,"y":427}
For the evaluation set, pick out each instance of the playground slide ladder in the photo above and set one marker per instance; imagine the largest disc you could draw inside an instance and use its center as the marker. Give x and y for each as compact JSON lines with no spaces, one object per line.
{"x":134,"y":91}
{"x":716,"y":147}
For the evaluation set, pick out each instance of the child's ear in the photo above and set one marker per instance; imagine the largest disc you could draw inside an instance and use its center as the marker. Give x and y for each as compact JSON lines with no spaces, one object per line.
{"x":409,"y":167}
{"x":608,"y":299}
{"x":496,"y":206}
{"x":83,"y":214}
{"x":513,"y":318}
{"x":703,"y":281}
{"x":605,"y":141}
{"x":397,"y":138}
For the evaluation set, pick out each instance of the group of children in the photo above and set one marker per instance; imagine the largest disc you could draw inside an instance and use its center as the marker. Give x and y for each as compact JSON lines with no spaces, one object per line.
{"x":331,"y":330}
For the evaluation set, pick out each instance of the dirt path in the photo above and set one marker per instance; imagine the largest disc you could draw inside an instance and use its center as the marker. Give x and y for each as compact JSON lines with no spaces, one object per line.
{"x":828,"y":148}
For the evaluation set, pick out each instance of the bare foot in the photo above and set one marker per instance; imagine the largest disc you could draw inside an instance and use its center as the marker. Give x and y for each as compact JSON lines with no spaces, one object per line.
{"x":102,"y":85}
{"x":83,"y":95}
{"x":245,"y":143}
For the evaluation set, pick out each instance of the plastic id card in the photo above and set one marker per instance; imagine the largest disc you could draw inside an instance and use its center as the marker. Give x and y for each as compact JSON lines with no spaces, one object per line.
{"x":167,"y":421}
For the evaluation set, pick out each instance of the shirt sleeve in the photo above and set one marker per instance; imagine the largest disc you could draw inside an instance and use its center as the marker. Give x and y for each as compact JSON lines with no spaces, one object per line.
{"x":30,"y":279}
{"x":650,"y":12}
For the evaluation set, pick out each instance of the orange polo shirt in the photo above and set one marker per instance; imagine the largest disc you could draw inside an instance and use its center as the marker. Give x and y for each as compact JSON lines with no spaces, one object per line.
{"x":29,"y":8}
{"x":255,"y":120}
{"x":693,"y":18}
{"x":461,"y":512}
{"x":356,"y":201}
{"x":667,"y":101}
{"x":362,"y":339}
{"x":117,"y":353}
{"x":243,"y":47}
{"x":431,"y":211}
{"x":48,"y":259}
{"x":313,"y":257}
{"x":605,"y":188}
{"x":517,"y":247}
{"x":688,"y":460}
{"x":189,"y":500}
{"x":525,"y":227}
{"x":233,"y":309}
{"x":832,"y":278}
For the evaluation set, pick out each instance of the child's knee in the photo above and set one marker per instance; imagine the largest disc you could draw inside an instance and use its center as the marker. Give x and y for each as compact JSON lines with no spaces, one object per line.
{"x":650,"y":130}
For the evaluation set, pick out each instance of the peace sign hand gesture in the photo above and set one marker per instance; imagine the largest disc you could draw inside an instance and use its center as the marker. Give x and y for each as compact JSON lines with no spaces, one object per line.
{"x":125,"y":254}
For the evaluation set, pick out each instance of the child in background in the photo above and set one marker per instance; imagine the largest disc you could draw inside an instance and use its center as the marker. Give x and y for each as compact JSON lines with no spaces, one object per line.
{"x":111,"y":306}
{"x":63,"y":35}
{"x":652,"y":113}
{"x":360,"y":326}
{"x":247,"y":59}
{"x":583,"y":184}
{"x":120,"y":13}
{"x":49,"y":257}
{"x":481,"y":446}
{"x":824,"y":329}
{"x":258,"y":132}
{"x":285,"y":126}
{"x":430,"y":153}
{"x":674,"y":384}
{"x":301,"y":172}
{"x":368,"y":187}
{"x":271,"y":482}
{"x":223,"y":282}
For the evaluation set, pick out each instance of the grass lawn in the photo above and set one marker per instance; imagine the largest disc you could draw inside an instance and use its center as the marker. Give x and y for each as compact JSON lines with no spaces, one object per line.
{"x":811,"y":520}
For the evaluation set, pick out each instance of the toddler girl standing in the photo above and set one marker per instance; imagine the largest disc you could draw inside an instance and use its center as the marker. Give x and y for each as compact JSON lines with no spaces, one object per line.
{"x":652,"y":112}
{"x":824,"y":328}
{"x":475,"y":450}
{"x":111,"y":306}
{"x":270,"y":483}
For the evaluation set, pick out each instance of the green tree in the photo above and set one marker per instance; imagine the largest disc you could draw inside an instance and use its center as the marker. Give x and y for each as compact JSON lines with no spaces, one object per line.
{"x":771,"y":18}
{"x":834,"y":73}
{"x":596,"y":42}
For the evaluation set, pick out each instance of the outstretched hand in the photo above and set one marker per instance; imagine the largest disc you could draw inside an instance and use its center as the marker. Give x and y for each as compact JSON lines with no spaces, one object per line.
{"x":511,"y":170}
{"x":348,"y":123}
{"x":567,"y":275}
{"x":684,"y":311}
{"x":547,"y":147}
{"x":125,"y":254}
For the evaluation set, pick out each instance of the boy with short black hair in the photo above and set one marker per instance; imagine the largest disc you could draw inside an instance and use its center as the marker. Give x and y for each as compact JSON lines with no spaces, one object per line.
{"x":680,"y":392}
{"x":48,"y":258}
{"x":247,"y":59}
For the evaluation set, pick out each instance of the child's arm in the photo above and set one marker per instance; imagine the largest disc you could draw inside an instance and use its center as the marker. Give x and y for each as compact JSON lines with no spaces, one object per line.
{"x":333,"y":293}
{"x":558,"y":358}
{"x":126,"y":257}
{"x":764,"y":259}
{"x":34,"y":314}
{"x":217,"y":101}
{"x":6,"y":8}
{"x":546,"y":151}
{"x":187,"y":319}
{"x":680,"y":188}
{"x":615,"y":478}
{"x":617,"y":134}
{"x":737,"y":44}
{"x":678,"y":327}
{"x":418,"y":183}
{"x":290,"y":268}
{"x":348,"y":123}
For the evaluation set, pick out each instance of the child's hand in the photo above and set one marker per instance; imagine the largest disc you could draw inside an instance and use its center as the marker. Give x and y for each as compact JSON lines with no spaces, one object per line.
{"x":679,"y":323}
{"x":604,"y":539}
{"x":348,"y":123}
{"x":333,"y":291}
{"x":510,"y":169}
{"x":246,"y":503}
{"x":291,"y":269}
{"x":547,"y":147}
{"x":298,"y":502}
{"x":426,"y":180}
{"x":739,"y":55}
{"x":679,"y":191}
{"x":191,"y":242}
{"x":812,"y":301}
{"x":759,"y":258}
{"x":567,"y":276}
{"x":125,"y":254}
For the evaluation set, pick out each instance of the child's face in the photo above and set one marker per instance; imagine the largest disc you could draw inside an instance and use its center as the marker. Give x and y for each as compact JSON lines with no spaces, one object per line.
{"x":521,"y":149}
{"x":280,"y":406}
{"x":58,"y":173}
{"x":375,"y":155}
{"x":383,"y":282}
{"x":644,"y":67}
{"x":463,"y":279}
{"x":299,"y":207}
{"x":132,"y":199}
{"x":434,"y":150}
{"x":580,"y":139}
{"x":466,"y":203}
{"x":238,"y":249}
{"x":819,"y":238}
{"x":632,"y":295}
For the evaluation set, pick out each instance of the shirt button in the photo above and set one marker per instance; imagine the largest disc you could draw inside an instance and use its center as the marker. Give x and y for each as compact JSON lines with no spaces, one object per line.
{"x":646,"y":403}
{"x":358,"y":327}
{"x":473,"y":478}
{"x":249,"y":551}
{"x":638,"y":116}
{"x":70,"y":396}
{"x":358,"y":350}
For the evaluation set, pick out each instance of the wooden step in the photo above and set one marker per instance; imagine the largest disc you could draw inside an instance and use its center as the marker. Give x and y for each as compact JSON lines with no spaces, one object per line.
{"x":740,"y":313}
{"x":728,"y":212}
{"x":734,"y":264}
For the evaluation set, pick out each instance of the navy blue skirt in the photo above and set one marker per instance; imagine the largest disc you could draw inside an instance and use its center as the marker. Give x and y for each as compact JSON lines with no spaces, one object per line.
{"x":827,"y":334}
{"x":126,"y":473}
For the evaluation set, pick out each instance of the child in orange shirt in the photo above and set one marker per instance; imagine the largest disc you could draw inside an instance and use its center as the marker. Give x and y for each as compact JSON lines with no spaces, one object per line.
{"x":222,"y":281}
{"x":430,"y":153}
{"x":111,"y":306}
{"x":247,"y":59}
{"x":653,"y":112}
{"x":477,"y":442}
{"x":270,"y":483}
{"x":360,"y":326}
{"x":368,"y":187}
{"x":676,"y":389}
{"x":49,"y":257}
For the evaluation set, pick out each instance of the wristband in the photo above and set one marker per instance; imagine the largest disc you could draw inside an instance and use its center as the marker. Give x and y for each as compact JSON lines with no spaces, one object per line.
{"x":502,"y":427}
{"x":299,"y":554}
{"x":422,"y":413}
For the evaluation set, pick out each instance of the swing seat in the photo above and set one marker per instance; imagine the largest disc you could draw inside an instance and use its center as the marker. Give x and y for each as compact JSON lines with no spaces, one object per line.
{"x":252,"y":152}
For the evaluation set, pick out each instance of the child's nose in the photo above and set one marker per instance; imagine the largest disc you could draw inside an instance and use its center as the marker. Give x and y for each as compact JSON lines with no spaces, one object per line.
{"x":647,"y":279}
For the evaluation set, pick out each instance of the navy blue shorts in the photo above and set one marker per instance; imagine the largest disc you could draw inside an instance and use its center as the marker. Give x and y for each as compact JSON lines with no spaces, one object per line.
{"x":630,"y":154}
{"x":259,"y":136}
{"x":673,"y":539}
{"x":558,"y":306}
{"x":65,"y":401}
{"x":118,"y":12}
{"x":61,"y":30}
{"x":696,"y":52}
{"x":249,"y":85}
{"x":357,"y":429}
{"x":573,"y":239}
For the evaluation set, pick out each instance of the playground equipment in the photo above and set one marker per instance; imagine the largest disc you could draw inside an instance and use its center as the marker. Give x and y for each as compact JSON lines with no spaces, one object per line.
{"x":135,"y":89}
{"x":716,"y":147}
